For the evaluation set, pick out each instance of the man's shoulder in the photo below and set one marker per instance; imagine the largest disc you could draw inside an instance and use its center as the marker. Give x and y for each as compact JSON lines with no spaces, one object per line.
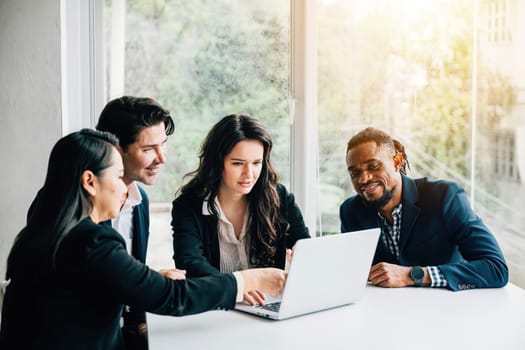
{"x":143,"y":193}
{"x":352,"y":202}
{"x":439,"y":185}
{"x":354,"y":215}
{"x":431,"y":191}
{"x":143,"y":205}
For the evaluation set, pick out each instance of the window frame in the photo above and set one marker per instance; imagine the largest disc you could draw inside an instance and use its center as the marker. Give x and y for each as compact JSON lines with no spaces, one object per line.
{"x":82,"y":63}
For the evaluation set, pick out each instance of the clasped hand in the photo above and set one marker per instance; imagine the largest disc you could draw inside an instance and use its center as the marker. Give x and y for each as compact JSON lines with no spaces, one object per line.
{"x":390,"y":275}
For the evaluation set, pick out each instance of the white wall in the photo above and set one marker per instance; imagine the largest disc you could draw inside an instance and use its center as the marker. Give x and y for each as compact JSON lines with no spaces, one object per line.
{"x":30,"y":106}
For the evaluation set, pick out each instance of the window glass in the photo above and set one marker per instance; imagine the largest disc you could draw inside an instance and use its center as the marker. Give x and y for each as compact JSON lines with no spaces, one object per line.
{"x":500,"y":128}
{"x":407,"y":67}
{"x":201,"y":60}
{"x":397,"y":66}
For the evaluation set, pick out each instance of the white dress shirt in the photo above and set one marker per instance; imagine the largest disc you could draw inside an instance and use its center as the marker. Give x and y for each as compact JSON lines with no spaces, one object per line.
{"x":124,"y":222}
{"x":234,"y":255}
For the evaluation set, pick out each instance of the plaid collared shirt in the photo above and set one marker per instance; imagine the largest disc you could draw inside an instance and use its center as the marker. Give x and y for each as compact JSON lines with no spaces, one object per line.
{"x":391,"y":233}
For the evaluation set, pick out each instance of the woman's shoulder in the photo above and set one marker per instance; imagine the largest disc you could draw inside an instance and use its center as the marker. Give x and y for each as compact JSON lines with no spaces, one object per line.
{"x":281,"y":189}
{"x":87,"y":230}
{"x":287,"y":199}
{"x":88,"y":239}
{"x":186,"y":203}
{"x":285,"y":195}
{"x":354,"y":203}
{"x":87,"y":224}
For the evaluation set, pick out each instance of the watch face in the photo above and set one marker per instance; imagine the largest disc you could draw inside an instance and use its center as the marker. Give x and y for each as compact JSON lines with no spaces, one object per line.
{"x":417,"y":273}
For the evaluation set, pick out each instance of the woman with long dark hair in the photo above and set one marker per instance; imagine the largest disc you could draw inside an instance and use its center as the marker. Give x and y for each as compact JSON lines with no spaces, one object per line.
{"x":70,"y":277}
{"x":233,"y":214}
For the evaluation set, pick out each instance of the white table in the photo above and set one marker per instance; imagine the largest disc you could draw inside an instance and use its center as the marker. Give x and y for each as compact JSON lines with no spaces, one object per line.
{"x":405,"y":318}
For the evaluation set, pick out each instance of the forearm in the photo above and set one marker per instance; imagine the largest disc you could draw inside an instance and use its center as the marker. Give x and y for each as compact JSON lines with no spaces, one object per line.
{"x":475,"y":274}
{"x":196,"y":267}
{"x":480,"y":262}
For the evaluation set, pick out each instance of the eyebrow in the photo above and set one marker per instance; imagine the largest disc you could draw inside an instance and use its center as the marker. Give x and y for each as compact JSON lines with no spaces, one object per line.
{"x":365,"y":162}
{"x":155,"y":144}
{"x":244,"y":160}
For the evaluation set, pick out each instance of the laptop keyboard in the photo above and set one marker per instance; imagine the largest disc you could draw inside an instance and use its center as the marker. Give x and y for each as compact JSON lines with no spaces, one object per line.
{"x":271,"y":306}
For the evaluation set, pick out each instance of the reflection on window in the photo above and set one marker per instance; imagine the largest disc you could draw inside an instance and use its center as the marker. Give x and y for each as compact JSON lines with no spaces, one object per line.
{"x":407,"y":68}
{"x":499,"y":21}
{"x":505,"y":167}
{"x":403,"y":66}
{"x":203,"y":60}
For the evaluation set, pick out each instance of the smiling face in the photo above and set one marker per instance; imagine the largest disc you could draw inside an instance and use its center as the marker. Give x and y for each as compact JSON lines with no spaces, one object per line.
{"x":143,"y":158}
{"x":374,"y":172}
{"x":242,"y":167}
{"x":108,"y":190}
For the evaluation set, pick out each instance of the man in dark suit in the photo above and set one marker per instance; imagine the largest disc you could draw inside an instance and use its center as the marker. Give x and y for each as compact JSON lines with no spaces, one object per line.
{"x":142,"y":126}
{"x":429,"y":234}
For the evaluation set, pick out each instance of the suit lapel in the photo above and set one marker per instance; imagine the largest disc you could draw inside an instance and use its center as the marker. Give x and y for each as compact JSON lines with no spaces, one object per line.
{"x":410,"y":211}
{"x":138,"y":245}
{"x":212,"y":224}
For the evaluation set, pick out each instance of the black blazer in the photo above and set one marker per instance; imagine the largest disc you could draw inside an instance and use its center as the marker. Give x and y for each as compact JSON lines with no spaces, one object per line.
{"x":196,"y":241}
{"x":139,"y":247}
{"x":78,"y":304}
{"x":438,"y":228}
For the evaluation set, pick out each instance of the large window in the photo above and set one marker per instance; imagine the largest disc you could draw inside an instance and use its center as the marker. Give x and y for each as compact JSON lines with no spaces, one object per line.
{"x":202,"y":60}
{"x":451,"y":93}
{"x":443,"y":76}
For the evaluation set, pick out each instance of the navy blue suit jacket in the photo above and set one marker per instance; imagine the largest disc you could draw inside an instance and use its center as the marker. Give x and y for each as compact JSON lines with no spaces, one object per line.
{"x":438,"y":228}
{"x":139,"y":247}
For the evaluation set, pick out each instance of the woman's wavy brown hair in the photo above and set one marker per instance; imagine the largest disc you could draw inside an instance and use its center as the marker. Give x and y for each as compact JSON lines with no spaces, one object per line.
{"x":264,"y":220}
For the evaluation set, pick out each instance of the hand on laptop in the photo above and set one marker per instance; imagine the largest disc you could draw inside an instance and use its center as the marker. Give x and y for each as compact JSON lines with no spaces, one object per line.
{"x":267,"y":280}
{"x":289,"y":256}
{"x":254,"y":297}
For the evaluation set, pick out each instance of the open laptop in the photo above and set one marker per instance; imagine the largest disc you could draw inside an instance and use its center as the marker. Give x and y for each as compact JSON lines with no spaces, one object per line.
{"x":325,"y":272}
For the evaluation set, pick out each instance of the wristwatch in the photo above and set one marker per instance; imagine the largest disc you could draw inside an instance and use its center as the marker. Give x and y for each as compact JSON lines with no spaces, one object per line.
{"x":417,"y":273}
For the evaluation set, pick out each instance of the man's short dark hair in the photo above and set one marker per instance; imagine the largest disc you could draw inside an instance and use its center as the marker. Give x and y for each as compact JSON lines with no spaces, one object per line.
{"x":126,"y":116}
{"x":382,"y":139}
{"x":371,"y":134}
